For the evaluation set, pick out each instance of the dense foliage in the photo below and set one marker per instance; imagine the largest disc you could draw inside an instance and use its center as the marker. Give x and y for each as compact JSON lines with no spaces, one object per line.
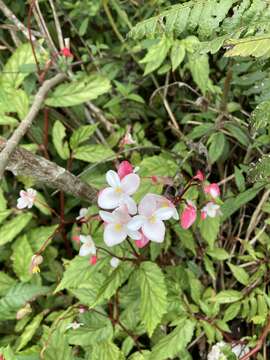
{"x":181,"y":90}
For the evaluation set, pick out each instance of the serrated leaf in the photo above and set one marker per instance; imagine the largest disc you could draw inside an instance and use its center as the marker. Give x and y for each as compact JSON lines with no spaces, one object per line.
{"x":153,"y":295}
{"x":218,"y":253}
{"x":4,"y":214}
{"x":199,"y":68}
{"x":216,"y":146}
{"x":158,"y":165}
{"x":113,"y":282}
{"x":39,"y":235}
{"x":209,"y":229}
{"x":58,"y":136}
{"x":8,"y":120}
{"x":232,"y":311}
{"x":177,"y":54}
{"x":17,"y":296}
{"x":58,"y":344}
{"x":258,"y":46}
{"x":170,"y":345}
{"x":82,"y":134}
{"x":29,"y":331}
{"x":93,"y":153}
{"x":21,"y":258}
{"x":12,"y":76}
{"x":78,"y":91}
{"x":228,"y":296}
{"x":6,"y":282}
{"x":239,"y":273}
{"x":260,"y":117}
{"x":13,"y":227}
{"x":21,"y":102}
{"x":106,"y":350}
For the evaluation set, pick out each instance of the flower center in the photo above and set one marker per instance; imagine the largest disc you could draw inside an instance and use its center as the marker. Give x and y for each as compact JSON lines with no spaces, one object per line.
{"x":118,"y":190}
{"x":118,"y":227}
{"x":152,"y":219}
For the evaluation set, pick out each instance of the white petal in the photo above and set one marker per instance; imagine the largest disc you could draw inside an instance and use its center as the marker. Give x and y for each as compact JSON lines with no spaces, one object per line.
{"x":175,"y":214}
{"x":147,"y":205}
{"x":107,"y":216}
{"x":130,"y":183}
{"x":114,"y":262}
{"x":164,"y":213}
{"x":113,"y":179}
{"x":136,"y":223}
{"x":87,"y":249}
{"x":113,"y":235}
{"x":154,"y":231}
{"x":121,"y":214}
{"x":109,"y":198}
{"x":22,"y":203}
{"x":130,"y":203}
{"x":31,"y":192}
{"x":134,"y":235}
{"x":84,"y":239}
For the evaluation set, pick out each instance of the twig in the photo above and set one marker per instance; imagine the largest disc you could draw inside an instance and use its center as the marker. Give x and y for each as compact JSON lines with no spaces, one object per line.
{"x":9,"y":14}
{"x":99,"y":115}
{"x":26,"y":123}
{"x":57,"y":26}
{"x":25,"y":163}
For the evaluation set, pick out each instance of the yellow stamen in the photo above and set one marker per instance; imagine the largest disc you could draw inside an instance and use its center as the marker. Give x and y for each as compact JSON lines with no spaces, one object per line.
{"x":152,"y":219}
{"x":118,"y":227}
{"x":118,"y":190}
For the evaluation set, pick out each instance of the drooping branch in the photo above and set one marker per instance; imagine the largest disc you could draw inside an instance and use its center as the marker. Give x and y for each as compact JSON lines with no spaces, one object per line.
{"x":27,"y":121}
{"x":25,"y":163}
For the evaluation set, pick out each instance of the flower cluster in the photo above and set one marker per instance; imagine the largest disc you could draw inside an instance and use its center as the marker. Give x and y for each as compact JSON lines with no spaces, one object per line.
{"x":143,"y":222}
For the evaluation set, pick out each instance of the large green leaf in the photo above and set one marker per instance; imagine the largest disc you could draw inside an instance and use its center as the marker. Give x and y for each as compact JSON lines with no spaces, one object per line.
{"x":58,"y":136}
{"x":153,"y":295}
{"x":78,"y":91}
{"x":105,"y":351}
{"x":258,"y":46}
{"x":29,"y":331}
{"x":169,"y":346}
{"x":13,"y":227}
{"x":82,"y":134}
{"x":58,"y":348}
{"x":21,"y":258}
{"x":93,"y":153}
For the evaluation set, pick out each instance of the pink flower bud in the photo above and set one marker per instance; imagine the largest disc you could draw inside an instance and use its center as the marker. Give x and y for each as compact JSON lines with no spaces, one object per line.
{"x":188,"y":215}
{"x":2,"y":357}
{"x":154,"y":179}
{"x":82,"y":309}
{"x":93,"y":260}
{"x":199,"y":176}
{"x":66,"y":52}
{"x":203,"y":215}
{"x":124,"y":169}
{"x":142,"y":242}
{"x":76,"y":238}
{"x":212,"y":189}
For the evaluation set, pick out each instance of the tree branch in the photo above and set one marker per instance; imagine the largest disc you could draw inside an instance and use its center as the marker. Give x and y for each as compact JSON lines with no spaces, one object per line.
{"x":25,"y":163}
{"x":27,"y":122}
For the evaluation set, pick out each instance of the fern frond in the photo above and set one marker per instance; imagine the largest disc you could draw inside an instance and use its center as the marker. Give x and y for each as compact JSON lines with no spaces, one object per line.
{"x":260,"y":171}
{"x":257,"y":46}
{"x":204,"y":15}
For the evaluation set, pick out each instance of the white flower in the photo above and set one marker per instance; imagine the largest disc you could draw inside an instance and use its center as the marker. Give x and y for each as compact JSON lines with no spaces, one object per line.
{"x":119,"y":192}
{"x":116,"y":230}
{"x":114,"y":262}
{"x":74,"y":325}
{"x":82,"y":214}
{"x":26,"y":199}
{"x":163,"y":202}
{"x":88,"y":247}
{"x":150,"y":218}
{"x":211,"y":209}
{"x":216,"y":352}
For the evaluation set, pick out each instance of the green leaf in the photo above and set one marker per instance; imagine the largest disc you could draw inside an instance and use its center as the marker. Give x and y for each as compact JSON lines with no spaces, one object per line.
{"x":8,"y":120}
{"x":228,"y":296}
{"x":58,"y":344}
{"x":153,"y":295}
{"x":158,"y":165}
{"x":257,"y":46}
{"x":21,"y":102}
{"x":170,"y":345}
{"x":113,"y":282}
{"x":105,"y":351}
{"x":218,"y":253}
{"x":232,"y":311}
{"x":156,"y":55}
{"x":209,"y":230}
{"x":78,"y":91}
{"x":93,"y":153}
{"x":29,"y":331}
{"x":82,"y":134}
{"x":239,"y":273}
{"x":4,"y":214}
{"x":177,"y":54}
{"x":6,"y":282}
{"x":12,"y":76}
{"x":39,"y":235}
{"x":238,"y":133}
{"x":42,"y":205}
{"x":260,"y":117}
{"x":58,"y":136}
{"x":13,"y":227}
{"x":199,"y":68}
{"x":17,"y":296}
{"x":21,"y":258}
{"x":216,"y":147}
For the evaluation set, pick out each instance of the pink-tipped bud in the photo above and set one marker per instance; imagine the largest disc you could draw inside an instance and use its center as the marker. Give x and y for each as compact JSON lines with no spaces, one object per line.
{"x":35,"y":262}
{"x":203,"y":215}
{"x":142,"y":242}
{"x":93,"y":260}
{"x":212,"y":189}
{"x":199,"y":176}
{"x":82,"y":309}
{"x":66,"y":52}
{"x":76,"y":238}
{"x":188,"y":215}
{"x":154,"y":179}
{"x":124,"y":169}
